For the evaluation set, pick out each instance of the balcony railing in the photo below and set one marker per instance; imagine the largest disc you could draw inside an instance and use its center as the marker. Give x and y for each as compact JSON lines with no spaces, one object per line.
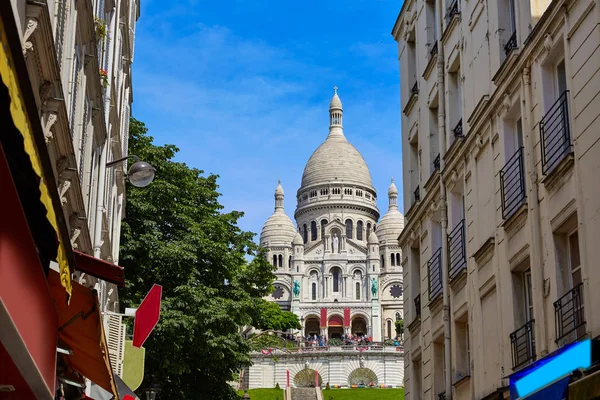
{"x":511,"y":44}
{"x":417,"y":194}
{"x":522,"y":342}
{"x":415,"y":89}
{"x":512,"y":184}
{"x":457,"y":253}
{"x":434,"y":50}
{"x":458,"y":129}
{"x":555,"y":133}
{"x":436,"y":162}
{"x":434,"y":272}
{"x":452,"y":11}
{"x":568,"y":312}
{"x":418,"y":306}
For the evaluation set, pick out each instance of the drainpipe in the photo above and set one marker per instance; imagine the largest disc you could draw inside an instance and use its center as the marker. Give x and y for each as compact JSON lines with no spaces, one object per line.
{"x":535,"y":227}
{"x":443,"y":205}
{"x":100,"y":200}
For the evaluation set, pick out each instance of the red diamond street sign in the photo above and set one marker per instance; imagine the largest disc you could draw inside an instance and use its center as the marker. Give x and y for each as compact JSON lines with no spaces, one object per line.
{"x":147,"y":316}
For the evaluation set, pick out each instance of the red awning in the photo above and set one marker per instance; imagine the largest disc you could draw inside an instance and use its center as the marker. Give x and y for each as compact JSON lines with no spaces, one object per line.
{"x":99,"y":268}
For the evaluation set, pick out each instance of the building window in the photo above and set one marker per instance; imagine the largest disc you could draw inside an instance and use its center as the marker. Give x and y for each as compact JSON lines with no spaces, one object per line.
{"x":434,"y":145}
{"x":455,"y":103}
{"x":313,"y":231}
{"x":304,"y":233}
{"x":314,"y":291}
{"x":336,"y":280}
{"x":357,"y":291}
{"x":278,"y":292}
{"x":392,"y":260}
{"x":389,"y":329}
{"x":359,"y":230}
{"x":398,"y":259}
{"x":398,"y":316}
{"x":396,"y":292}
{"x":274,"y":260}
{"x":368,"y":230}
{"x":382,"y":261}
{"x":462,"y":351}
{"x":280,"y":261}
{"x":349,"y":228}
{"x":290,"y":262}
{"x":323,"y":223}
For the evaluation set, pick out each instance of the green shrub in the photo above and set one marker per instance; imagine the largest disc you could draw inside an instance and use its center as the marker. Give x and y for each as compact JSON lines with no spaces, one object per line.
{"x":277,"y":386}
{"x":335,"y":342}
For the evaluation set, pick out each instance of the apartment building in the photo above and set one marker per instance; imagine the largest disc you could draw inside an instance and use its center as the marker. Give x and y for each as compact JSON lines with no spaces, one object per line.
{"x":501,"y":178}
{"x":69,"y":81}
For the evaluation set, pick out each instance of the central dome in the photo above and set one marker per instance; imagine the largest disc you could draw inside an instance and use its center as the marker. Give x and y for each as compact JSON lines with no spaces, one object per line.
{"x":336,"y":160}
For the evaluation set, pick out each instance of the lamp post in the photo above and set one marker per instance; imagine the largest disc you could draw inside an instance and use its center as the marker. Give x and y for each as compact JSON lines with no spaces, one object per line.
{"x":303,"y":331}
{"x":140,"y":174}
{"x":152,"y":389}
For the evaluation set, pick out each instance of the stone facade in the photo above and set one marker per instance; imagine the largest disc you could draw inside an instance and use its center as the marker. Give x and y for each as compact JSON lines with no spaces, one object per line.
{"x":79,"y":56}
{"x":340,"y":270}
{"x":501,"y":167}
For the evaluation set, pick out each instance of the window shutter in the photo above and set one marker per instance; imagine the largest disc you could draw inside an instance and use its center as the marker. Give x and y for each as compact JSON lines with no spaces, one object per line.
{"x":116,"y":342}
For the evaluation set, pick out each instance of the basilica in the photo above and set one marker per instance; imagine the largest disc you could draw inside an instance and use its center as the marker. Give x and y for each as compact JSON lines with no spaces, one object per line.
{"x":339,"y":267}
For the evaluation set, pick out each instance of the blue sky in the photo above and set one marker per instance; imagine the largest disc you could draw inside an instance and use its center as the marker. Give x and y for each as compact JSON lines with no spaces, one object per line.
{"x":243,"y":87}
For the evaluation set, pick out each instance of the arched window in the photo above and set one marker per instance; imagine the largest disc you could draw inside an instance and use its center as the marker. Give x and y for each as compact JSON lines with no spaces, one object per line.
{"x":336,"y":279}
{"x":357,"y":291}
{"x":313,"y":231}
{"x":398,"y":259}
{"x":368,"y":230}
{"x":274,"y":260}
{"x":314,"y":291}
{"x":382,"y":261}
{"x":359,"y":229}
{"x":349,"y":228}
{"x":392,"y":259}
{"x":290,"y":262}
{"x":323,"y":223}
{"x":280,"y":261}
{"x":398,"y":317}
{"x":389,"y":329}
{"x":304,"y":233}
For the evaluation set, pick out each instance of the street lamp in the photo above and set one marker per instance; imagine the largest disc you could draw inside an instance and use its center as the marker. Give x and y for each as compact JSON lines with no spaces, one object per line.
{"x":140,"y":174}
{"x":152,"y":389}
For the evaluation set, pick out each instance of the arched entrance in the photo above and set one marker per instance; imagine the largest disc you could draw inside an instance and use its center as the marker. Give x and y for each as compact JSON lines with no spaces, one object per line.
{"x":359,"y":326}
{"x":311,"y":326}
{"x":362,"y":376}
{"x":336,"y":327}
{"x":306,"y":378}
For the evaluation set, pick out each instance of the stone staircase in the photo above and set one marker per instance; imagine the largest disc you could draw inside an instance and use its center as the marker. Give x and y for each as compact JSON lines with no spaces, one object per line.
{"x":304,"y":394}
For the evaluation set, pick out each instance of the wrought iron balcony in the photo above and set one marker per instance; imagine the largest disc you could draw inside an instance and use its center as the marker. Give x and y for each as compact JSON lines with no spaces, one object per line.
{"x":417,"y":194}
{"x":418,"y":306}
{"x":512,"y":185}
{"x":511,"y":44}
{"x":522,"y":342}
{"x":452,"y":11}
{"x":436,"y":162}
{"x":458,"y":129}
{"x":568,"y":312}
{"x":415,"y":89}
{"x":457,"y":253}
{"x":434,"y":49}
{"x":434,"y":275}
{"x":555,"y":133}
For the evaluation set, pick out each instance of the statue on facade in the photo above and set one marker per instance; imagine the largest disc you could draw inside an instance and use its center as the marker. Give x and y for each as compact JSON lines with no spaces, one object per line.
{"x":335,"y":244}
{"x":374,"y":287}
{"x":296,"y":288}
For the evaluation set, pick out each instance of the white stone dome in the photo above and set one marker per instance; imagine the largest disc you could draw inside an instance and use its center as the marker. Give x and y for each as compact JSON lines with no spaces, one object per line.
{"x":279,"y":229}
{"x":298,"y":240}
{"x":392,"y":223}
{"x":373,"y":239}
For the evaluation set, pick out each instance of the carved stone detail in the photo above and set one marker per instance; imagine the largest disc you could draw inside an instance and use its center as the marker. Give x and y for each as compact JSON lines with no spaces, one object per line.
{"x":548,"y":42}
{"x":32,"y":25}
{"x":50,"y":121}
{"x":66,"y":184}
{"x":74,"y":235}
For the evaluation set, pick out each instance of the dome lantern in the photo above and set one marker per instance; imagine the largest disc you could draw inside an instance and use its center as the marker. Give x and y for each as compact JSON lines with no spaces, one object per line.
{"x":335,"y":115}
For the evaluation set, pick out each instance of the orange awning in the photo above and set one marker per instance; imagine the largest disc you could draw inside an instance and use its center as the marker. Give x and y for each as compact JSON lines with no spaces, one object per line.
{"x":99,"y":268}
{"x":80,"y":327}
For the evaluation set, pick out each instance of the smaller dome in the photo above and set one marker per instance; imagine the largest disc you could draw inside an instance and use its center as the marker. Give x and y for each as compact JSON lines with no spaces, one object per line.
{"x":390,"y":226}
{"x":393,"y":190}
{"x":373,"y":239}
{"x":335,"y":103}
{"x":279,"y":189}
{"x":298,"y":240}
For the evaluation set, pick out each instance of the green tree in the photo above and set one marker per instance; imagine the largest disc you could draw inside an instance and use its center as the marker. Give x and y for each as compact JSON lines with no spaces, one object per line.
{"x":269,"y":316}
{"x":399,"y":327}
{"x":176,"y":235}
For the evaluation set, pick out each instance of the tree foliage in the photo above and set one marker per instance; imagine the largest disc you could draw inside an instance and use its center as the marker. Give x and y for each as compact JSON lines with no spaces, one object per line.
{"x":269,"y":316}
{"x":399,"y":327}
{"x":175,"y":234}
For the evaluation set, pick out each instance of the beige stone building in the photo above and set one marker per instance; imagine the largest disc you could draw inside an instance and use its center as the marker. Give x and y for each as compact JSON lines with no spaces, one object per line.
{"x":501,"y":175}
